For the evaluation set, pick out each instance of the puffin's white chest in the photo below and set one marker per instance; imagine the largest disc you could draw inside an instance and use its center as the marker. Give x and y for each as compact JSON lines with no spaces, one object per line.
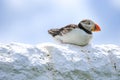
{"x":76,"y":36}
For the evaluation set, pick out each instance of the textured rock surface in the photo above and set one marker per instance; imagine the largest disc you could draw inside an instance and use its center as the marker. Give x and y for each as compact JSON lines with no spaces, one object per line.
{"x":49,"y":61}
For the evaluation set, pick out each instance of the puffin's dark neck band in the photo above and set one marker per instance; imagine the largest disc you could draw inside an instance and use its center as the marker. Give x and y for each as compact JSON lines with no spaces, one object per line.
{"x":81,"y":27}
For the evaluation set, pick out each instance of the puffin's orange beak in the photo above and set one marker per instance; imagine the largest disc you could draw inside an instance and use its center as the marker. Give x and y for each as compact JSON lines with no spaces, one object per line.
{"x":96,"y":28}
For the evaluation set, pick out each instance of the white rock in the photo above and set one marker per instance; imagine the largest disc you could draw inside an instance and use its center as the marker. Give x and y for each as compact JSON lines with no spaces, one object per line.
{"x":49,"y":61}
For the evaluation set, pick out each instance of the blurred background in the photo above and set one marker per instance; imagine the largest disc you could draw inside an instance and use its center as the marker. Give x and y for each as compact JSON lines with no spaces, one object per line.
{"x":27,"y":21}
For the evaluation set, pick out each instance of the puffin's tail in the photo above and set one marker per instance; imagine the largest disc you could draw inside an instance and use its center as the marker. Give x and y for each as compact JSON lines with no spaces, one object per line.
{"x":54,"y":32}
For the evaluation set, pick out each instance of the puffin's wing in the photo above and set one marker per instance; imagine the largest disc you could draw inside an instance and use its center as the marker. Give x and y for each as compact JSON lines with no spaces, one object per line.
{"x":54,"y":32}
{"x":63,"y":30}
{"x":68,"y":28}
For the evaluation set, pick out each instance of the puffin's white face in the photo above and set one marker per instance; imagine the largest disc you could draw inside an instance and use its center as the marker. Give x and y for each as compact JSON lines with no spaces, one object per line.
{"x":90,"y":25}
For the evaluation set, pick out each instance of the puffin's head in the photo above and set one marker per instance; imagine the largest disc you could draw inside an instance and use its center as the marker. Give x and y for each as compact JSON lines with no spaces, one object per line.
{"x":89,"y":25}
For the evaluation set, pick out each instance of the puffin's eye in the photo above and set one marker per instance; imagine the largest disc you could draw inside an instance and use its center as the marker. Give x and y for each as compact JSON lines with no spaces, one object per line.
{"x":88,"y":23}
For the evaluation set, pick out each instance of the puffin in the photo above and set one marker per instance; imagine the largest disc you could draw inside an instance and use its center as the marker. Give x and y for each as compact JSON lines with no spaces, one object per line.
{"x":77,"y":34}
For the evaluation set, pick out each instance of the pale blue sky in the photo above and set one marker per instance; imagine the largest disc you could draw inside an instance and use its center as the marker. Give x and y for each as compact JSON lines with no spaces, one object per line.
{"x":27,"y":21}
